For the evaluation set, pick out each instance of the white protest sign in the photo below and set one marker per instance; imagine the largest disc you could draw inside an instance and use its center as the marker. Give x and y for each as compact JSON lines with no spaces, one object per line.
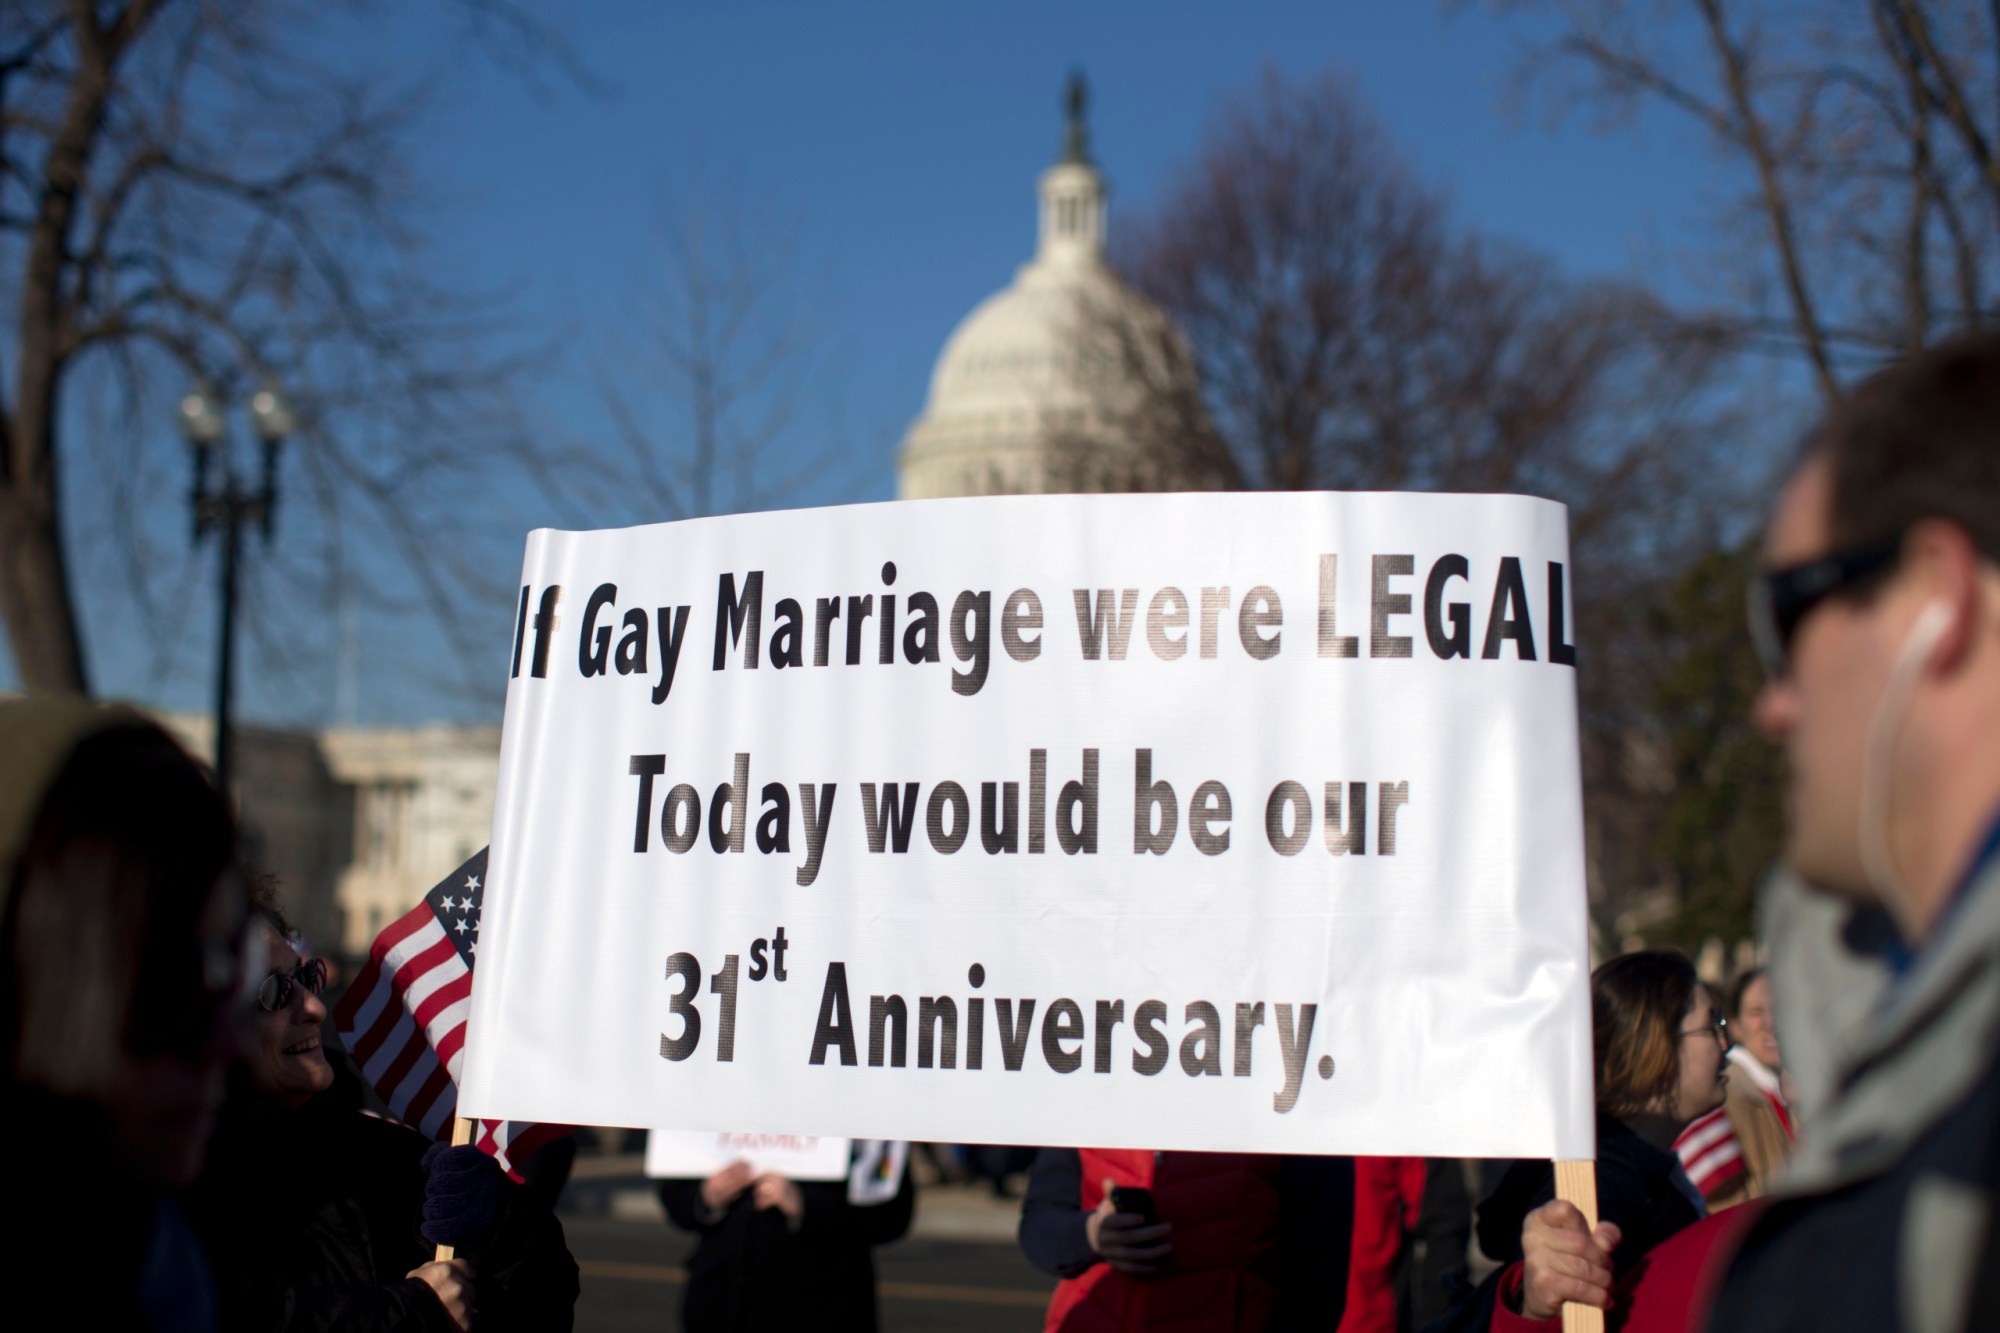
{"x":698,"y":1154}
{"x":1224,"y":822}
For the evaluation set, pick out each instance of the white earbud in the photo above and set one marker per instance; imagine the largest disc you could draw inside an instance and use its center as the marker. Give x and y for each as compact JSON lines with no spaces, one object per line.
{"x":1877,"y":764}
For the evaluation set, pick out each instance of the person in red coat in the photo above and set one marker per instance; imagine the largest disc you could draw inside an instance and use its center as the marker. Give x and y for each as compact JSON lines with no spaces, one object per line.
{"x":1388,"y":1197}
{"x":1240,"y":1242}
{"x":1667,"y":1291}
{"x":1412,"y":1228}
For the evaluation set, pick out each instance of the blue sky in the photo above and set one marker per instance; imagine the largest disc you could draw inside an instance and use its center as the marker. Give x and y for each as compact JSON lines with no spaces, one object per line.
{"x":903,"y":140}
{"x":907,"y":138}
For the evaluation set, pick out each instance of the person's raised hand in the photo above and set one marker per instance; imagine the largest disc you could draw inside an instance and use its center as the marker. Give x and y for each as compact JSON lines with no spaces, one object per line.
{"x":720,"y":1190}
{"x":451,"y":1281}
{"x":1563,"y":1260}
{"x":1127,"y":1241}
{"x":775,"y":1191}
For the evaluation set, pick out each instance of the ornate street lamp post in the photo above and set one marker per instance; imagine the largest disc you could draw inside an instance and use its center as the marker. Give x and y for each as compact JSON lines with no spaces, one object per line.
{"x":227,"y":509}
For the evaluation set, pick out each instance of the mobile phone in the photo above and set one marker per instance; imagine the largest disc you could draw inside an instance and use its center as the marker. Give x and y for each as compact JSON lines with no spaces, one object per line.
{"x":1134,"y":1200}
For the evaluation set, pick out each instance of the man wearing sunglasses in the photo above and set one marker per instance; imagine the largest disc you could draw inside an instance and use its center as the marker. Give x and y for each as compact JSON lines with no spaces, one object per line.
{"x":1877,"y":615}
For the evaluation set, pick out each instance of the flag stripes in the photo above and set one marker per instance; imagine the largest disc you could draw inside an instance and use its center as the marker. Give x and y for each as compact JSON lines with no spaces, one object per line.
{"x":404,"y":1016}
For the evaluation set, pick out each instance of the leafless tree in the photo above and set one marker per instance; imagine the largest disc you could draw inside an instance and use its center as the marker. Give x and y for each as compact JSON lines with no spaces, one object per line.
{"x":708,"y":376}
{"x":187,"y":191}
{"x":1347,"y":336}
{"x":1330,"y":329}
{"x":1864,"y":134}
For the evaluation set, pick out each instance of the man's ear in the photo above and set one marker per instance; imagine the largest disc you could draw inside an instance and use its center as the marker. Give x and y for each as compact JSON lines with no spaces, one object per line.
{"x":1952,"y":576}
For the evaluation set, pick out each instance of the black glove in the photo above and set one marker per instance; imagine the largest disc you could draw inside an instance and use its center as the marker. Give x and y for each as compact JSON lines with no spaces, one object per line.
{"x":462,"y":1196}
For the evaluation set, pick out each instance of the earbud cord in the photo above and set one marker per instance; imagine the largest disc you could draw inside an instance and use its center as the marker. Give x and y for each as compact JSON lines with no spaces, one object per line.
{"x":1878,"y":863}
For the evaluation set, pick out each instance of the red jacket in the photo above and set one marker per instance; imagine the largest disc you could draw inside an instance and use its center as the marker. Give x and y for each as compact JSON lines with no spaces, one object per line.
{"x":1388,"y":1195}
{"x":1224,"y":1211}
{"x":1668,"y":1291}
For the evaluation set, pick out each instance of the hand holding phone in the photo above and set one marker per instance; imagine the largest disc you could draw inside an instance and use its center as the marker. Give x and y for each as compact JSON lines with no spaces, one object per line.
{"x":1126,"y":1231}
{"x":1137,"y":1202}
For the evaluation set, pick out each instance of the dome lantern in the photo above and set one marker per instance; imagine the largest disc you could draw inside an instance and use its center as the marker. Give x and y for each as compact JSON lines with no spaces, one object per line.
{"x":1072,"y":191}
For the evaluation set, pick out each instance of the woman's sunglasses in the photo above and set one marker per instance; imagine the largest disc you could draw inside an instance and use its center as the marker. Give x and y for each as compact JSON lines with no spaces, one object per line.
{"x":275,"y":992}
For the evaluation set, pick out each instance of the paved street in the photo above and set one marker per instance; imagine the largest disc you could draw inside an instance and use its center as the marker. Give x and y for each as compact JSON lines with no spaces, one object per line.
{"x":957,"y":1270}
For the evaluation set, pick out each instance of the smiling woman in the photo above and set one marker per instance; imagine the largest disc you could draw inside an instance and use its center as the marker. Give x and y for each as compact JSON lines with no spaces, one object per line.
{"x":352,"y":1248}
{"x":285,"y":1058}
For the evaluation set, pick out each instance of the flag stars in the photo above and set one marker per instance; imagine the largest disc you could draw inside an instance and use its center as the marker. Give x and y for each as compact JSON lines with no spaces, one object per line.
{"x":451,"y":910}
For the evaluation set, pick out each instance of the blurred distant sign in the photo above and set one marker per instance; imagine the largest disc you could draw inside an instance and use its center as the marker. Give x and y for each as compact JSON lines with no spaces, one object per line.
{"x":1225,"y":822}
{"x":677,"y":1153}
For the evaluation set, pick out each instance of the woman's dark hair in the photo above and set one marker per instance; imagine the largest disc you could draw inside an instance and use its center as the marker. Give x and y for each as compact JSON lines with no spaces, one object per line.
{"x":262,"y":894}
{"x":102,"y":952}
{"x":1637,"y":1002}
{"x":1750,"y":977}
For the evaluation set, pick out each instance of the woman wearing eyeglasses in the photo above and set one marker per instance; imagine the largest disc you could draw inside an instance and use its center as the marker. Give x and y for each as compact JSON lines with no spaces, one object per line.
{"x":1564,"y":1262}
{"x":1734,"y":1154}
{"x":317,"y":1213}
{"x":1659,"y":1042}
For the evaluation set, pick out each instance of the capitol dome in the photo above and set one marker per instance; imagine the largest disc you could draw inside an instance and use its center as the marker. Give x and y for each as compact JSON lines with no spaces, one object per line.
{"x":1044,"y":385}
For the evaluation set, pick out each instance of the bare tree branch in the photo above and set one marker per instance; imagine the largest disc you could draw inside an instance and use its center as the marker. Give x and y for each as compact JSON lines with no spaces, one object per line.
{"x":1756,"y":142}
{"x":1330,"y":327}
{"x":1947,"y":92}
{"x":706,"y":412}
{"x":202,"y":195}
{"x":1869,"y":171}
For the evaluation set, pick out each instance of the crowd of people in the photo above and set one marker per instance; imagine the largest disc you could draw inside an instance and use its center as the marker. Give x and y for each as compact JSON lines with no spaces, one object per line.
{"x":195,"y":1157}
{"x":191,"y":1158}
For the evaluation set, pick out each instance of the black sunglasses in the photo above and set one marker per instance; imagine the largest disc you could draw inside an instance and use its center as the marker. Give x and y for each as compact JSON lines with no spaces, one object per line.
{"x":275,"y":992}
{"x":1780,"y":599}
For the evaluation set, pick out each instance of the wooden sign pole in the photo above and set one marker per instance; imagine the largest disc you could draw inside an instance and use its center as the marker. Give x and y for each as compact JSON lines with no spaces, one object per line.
{"x":1576,"y":1183}
{"x":461,"y":1134}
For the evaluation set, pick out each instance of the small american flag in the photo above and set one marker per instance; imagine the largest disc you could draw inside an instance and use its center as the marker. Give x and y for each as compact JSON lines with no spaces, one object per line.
{"x":403,"y":1019}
